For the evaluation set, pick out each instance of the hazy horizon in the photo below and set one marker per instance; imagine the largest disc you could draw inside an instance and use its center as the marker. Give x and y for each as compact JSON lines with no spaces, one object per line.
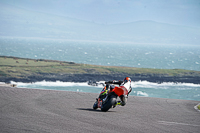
{"x":176,"y":12}
{"x":137,"y":21}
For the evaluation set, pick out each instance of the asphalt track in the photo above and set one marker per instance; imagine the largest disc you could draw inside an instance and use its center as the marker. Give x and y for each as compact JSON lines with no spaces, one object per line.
{"x":40,"y":111}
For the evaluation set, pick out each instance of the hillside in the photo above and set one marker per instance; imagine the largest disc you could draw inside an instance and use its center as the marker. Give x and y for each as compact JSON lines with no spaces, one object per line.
{"x":19,"y":22}
{"x":30,"y":70}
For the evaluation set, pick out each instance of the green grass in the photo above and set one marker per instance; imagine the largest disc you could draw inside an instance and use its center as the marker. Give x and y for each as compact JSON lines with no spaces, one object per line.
{"x":18,"y":67}
{"x":198,"y":107}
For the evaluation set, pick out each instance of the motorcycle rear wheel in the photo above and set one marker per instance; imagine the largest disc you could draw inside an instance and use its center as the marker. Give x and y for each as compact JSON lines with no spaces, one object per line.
{"x":109,"y":103}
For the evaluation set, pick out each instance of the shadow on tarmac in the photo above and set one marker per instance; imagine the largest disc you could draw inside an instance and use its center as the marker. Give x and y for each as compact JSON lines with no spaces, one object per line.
{"x":89,"y":109}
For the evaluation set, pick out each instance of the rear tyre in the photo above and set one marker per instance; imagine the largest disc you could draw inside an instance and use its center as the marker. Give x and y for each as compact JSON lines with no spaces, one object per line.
{"x":109,"y":103}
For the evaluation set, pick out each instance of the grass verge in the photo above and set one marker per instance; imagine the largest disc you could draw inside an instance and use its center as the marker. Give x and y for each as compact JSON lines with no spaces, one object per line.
{"x":198,"y":106}
{"x":22,"y":67}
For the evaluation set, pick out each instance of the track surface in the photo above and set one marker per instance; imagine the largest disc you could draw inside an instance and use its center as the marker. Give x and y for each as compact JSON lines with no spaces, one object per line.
{"x":41,"y":111}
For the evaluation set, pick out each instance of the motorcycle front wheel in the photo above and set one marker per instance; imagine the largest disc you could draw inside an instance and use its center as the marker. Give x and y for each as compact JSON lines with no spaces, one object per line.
{"x":109,"y":103}
{"x":95,"y":106}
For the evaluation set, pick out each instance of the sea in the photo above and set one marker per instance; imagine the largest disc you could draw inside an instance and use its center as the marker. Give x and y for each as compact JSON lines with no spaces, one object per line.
{"x":156,"y":56}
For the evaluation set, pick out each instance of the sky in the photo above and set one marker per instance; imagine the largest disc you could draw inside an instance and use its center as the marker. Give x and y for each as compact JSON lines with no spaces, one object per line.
{"x":179,"y":12}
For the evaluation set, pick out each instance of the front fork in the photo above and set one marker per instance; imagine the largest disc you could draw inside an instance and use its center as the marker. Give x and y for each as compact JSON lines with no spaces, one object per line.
{"x":101,"y":101}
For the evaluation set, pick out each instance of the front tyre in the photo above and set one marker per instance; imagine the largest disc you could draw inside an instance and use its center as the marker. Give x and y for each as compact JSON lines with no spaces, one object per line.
{"x":109,"y":103}
{"x":95,"y":106}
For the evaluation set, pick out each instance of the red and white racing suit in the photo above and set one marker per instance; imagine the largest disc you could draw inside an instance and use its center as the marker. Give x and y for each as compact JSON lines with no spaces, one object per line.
{"x":125,"y":86}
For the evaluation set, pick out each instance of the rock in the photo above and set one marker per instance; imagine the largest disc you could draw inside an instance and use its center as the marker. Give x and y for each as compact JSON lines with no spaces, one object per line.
{"x":104,"y":77}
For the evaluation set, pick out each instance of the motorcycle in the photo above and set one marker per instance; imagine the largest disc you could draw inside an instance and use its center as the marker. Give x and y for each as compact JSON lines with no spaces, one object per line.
{"x":108,"y":99}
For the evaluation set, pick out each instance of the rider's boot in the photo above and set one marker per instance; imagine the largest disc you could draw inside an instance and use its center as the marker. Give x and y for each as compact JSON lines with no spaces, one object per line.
{"x":117,"y":103}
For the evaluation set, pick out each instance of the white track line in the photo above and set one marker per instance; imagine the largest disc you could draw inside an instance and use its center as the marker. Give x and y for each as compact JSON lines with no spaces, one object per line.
{"x":176,"y":123}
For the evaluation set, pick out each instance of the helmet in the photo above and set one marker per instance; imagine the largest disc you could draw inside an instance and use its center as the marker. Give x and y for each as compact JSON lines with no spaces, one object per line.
{"x":126,"y":79}
{"x":127,"y":83}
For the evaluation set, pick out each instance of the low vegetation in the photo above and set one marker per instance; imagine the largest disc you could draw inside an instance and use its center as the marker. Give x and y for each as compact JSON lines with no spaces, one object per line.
{"x":198,"y":106}
{"x":21,"y":67}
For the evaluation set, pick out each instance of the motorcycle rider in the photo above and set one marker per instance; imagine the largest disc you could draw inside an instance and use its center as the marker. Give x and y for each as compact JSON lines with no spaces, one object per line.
{"x":125,"y":85}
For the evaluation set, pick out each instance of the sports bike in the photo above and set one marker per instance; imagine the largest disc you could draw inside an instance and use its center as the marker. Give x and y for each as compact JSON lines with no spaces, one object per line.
{"x":108,"y":98}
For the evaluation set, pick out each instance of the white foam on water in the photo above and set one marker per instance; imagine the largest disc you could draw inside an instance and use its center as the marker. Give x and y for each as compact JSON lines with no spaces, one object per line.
{"x":2,"y":83}
{"x":49,"y":83}
{"x":140,"y":88}
{"x":44,"y":83}
{"x":141,"y":93}
{"x":137,"y":84}
{"x":164,"y":85}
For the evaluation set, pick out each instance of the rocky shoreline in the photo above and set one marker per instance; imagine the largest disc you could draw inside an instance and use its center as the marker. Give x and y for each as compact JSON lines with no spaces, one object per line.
{"x":103,"y":77}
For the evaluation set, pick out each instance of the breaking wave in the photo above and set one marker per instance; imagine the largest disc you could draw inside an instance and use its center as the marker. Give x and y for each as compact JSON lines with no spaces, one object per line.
{"x":49,"y":83}
{"x":187,"y":91}
{"x":164,"y":85}
{"x":142,"y":84}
